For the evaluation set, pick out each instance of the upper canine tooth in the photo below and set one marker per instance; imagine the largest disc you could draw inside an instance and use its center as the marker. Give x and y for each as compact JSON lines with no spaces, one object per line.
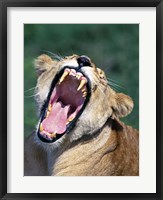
{"x":66,"y":72}
{"x":82,"y":83}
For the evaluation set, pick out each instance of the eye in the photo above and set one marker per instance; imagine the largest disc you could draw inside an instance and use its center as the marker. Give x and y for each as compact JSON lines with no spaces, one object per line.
{"x":101,"y":73}
{"x":83,"y":61}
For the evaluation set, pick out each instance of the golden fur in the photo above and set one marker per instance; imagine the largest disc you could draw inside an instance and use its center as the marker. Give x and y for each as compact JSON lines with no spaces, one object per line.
{"x":99,"y":145}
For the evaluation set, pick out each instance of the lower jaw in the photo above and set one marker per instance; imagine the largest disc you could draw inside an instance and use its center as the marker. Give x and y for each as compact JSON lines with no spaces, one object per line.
{"x":49,"y":139}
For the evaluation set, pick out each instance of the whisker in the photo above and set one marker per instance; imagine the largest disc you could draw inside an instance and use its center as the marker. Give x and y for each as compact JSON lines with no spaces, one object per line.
{"x":115,"y":85}
{"x":115,"y":89}
{"x":72,"y":51}
{"x":30,"y":96}
{"x":61,"y":56}
{"x":29,"y":89}
{"x":55,"y":56}
{"x":33,"y":95}
{"x":109,"y":79}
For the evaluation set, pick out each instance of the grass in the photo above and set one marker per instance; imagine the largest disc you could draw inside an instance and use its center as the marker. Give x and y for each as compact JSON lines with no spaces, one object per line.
{"x":114,"y":48}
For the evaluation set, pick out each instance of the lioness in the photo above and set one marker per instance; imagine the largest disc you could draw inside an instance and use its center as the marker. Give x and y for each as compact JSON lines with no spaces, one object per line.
{"x":79,"y":132}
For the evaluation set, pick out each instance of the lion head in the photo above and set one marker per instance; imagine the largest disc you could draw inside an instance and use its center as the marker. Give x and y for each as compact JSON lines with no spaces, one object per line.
{"x":74,"y":98}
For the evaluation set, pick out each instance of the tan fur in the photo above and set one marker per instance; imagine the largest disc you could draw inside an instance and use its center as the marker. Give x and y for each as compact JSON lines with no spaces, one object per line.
{"x":99,"y":145}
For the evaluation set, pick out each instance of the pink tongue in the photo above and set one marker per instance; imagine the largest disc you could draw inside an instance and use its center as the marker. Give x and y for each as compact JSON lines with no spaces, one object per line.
{"x":56,"y":121}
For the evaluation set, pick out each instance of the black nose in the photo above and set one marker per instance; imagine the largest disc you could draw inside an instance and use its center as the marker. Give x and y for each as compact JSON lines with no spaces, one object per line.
{"x":83,"y":61}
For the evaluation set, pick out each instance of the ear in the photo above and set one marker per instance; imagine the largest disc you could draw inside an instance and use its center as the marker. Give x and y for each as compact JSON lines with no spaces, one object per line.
{"x":122,"y":105}
{"x":43,"y":63}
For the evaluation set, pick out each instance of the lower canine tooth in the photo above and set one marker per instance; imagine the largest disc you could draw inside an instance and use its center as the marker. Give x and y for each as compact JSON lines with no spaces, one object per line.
{"x":70,"y":119}
{"x":41,"y":127}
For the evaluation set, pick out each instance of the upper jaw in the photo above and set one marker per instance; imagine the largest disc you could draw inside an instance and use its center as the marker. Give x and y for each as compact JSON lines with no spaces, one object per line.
{"x":70,"y":63}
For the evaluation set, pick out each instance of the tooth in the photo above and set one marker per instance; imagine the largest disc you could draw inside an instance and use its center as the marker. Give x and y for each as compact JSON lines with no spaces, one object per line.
{"x":41,"y":127}
{"x":84,"y":94}
{"x":70,"y":118}
{"x":50,"y":107}
{"x":53,"y":134}
{"x":84,"y":90}
{"x":73,"y":72}
{"x":78,"y":75}
{"x":82,"y":83}
{"x":63,"y":76}
{"x":47,"y":114}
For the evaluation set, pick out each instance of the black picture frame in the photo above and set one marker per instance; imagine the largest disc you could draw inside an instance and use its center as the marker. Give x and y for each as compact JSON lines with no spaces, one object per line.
{"x":4,"y":4}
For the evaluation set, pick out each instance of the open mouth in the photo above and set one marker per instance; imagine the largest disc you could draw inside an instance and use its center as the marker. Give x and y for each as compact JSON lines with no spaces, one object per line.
{"x":68,"y":96}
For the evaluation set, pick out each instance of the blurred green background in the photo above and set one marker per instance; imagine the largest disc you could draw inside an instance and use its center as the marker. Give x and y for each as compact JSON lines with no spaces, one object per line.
{"x":112,"y":47}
